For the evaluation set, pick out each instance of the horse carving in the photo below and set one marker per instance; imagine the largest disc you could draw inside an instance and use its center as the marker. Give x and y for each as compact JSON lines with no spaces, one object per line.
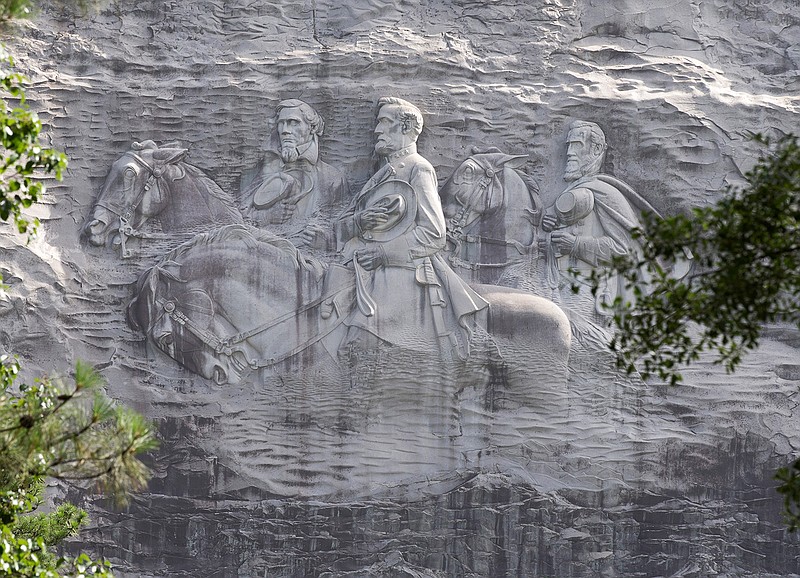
{"x":229,"y":302}
{"x":491,"y":211}
{"x":148,"y":184}
{"x":239,"y":299}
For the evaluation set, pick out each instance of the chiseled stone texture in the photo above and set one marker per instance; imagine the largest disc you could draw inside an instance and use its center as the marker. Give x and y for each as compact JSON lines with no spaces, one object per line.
{"x":487,"y":527}
{"x":603,"y":476}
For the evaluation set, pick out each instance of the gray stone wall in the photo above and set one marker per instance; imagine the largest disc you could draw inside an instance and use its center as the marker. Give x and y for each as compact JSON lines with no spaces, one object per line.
{"x":397,"y":464}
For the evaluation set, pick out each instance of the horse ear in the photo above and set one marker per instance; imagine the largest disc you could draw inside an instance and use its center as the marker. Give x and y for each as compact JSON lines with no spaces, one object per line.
{"x":512,"y":161}
{"x":476,"y":150}
{"x":174,"y":171}
{"x":169,"y":156}
{"x":144,"y":145}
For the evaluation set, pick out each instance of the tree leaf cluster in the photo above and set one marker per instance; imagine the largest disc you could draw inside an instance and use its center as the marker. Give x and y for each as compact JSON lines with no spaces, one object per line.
{"x":745,"y":253}
{"x":745,"y":273}
{"x":53,"y":428}
{"x":11,"y":10}
{"x":23,"y":160}
{"x":68,"y":430}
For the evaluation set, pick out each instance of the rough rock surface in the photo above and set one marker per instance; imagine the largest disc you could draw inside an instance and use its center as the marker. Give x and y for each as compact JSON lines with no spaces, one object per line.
{"x":607,"y":476}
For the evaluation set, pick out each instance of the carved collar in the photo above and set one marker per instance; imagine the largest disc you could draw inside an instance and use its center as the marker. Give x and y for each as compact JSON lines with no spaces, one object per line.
{"x":309,"y":151}
{"x":402,"y":153}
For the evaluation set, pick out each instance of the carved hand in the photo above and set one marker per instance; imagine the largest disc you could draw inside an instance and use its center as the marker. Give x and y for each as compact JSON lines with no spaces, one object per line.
{"x":371,"y":258}
{"x":549,"y":222}
{"x":287,"y":209}
{"x":544,"y":242}
{"x":373,"y":217}
{"x":313,"y":236}
{"x":533,"y":216}
{"x":563,"y":241}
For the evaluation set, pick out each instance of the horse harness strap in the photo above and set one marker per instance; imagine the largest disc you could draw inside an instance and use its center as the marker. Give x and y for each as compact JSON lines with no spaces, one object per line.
{"x":456,"y":232}
{"x":239,"y":337}
{"x":522,"y":249}
{"x":462,"y":264}
{"x":225,"y":346}
{"x":458,"y":223}
{"x":168,"y":306}
{"x":255,"y":364}
{"x":125,"y":229}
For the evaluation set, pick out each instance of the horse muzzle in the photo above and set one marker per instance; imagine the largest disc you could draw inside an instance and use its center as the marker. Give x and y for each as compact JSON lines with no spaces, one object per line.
{"x":96,"y":231}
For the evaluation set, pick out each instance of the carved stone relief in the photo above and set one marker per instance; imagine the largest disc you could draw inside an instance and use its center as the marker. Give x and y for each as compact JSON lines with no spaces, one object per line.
{"x":492,"y":212}
{"x":151,"y":183}
{"x":578,"y":470}
{"x":397,"y":277}
{"x":589,"y":224}
{"x":293,"y":192}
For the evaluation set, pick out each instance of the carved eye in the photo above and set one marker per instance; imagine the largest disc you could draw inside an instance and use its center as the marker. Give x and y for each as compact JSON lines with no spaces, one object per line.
{"x":465,"y":175}
{"x":129,"y":175}
{"x":469,"y":174}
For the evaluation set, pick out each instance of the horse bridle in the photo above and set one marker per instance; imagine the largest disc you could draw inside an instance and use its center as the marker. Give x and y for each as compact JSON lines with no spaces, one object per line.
{"x":124,"y":215}
{"x":458,"y":222}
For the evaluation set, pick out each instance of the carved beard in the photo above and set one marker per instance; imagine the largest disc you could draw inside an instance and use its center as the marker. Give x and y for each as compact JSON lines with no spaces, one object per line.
{"x":573,"y":174}
{"x":289,"y":153}
{"x":588,"y":167}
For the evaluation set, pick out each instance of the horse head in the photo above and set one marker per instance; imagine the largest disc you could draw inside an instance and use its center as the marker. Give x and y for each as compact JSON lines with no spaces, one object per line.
{"x":135,"y":190}
{"x":490,"y":208}
{"x":478,"y":185}
{"x":223,"y":322}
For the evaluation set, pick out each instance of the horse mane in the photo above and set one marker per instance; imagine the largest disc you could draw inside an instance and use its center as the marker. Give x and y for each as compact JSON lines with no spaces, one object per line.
{"x":213,"y":190}
{"x":250,"y":237}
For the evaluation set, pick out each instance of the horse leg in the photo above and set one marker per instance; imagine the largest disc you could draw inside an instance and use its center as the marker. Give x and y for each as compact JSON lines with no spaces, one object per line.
{"x":527,"y":392}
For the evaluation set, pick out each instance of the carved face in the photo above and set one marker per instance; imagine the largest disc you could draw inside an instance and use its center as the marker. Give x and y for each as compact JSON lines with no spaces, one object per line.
{"x":293,"y":130}
{"x":579,"y":153}
{"x":390,"y":134}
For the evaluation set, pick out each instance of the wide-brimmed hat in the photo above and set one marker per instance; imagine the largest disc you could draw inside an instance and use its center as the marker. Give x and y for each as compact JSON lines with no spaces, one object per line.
{"x":399,"y":199}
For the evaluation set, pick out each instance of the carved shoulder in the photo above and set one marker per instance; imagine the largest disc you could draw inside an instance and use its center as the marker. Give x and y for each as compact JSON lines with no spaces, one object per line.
{"x":421,"y":169}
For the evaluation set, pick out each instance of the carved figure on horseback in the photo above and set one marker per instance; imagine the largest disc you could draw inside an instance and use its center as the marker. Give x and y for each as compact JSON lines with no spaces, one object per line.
{"x":392,"y":286}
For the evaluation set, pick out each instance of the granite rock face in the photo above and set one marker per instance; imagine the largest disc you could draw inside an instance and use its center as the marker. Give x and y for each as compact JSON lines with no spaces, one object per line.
{"x":531,"y":458}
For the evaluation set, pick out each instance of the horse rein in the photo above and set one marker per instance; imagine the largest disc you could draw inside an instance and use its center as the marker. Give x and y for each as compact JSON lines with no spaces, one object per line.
{"x":126,"y":230}
{"x":456,"y":230}
{"x":458,"y":223}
